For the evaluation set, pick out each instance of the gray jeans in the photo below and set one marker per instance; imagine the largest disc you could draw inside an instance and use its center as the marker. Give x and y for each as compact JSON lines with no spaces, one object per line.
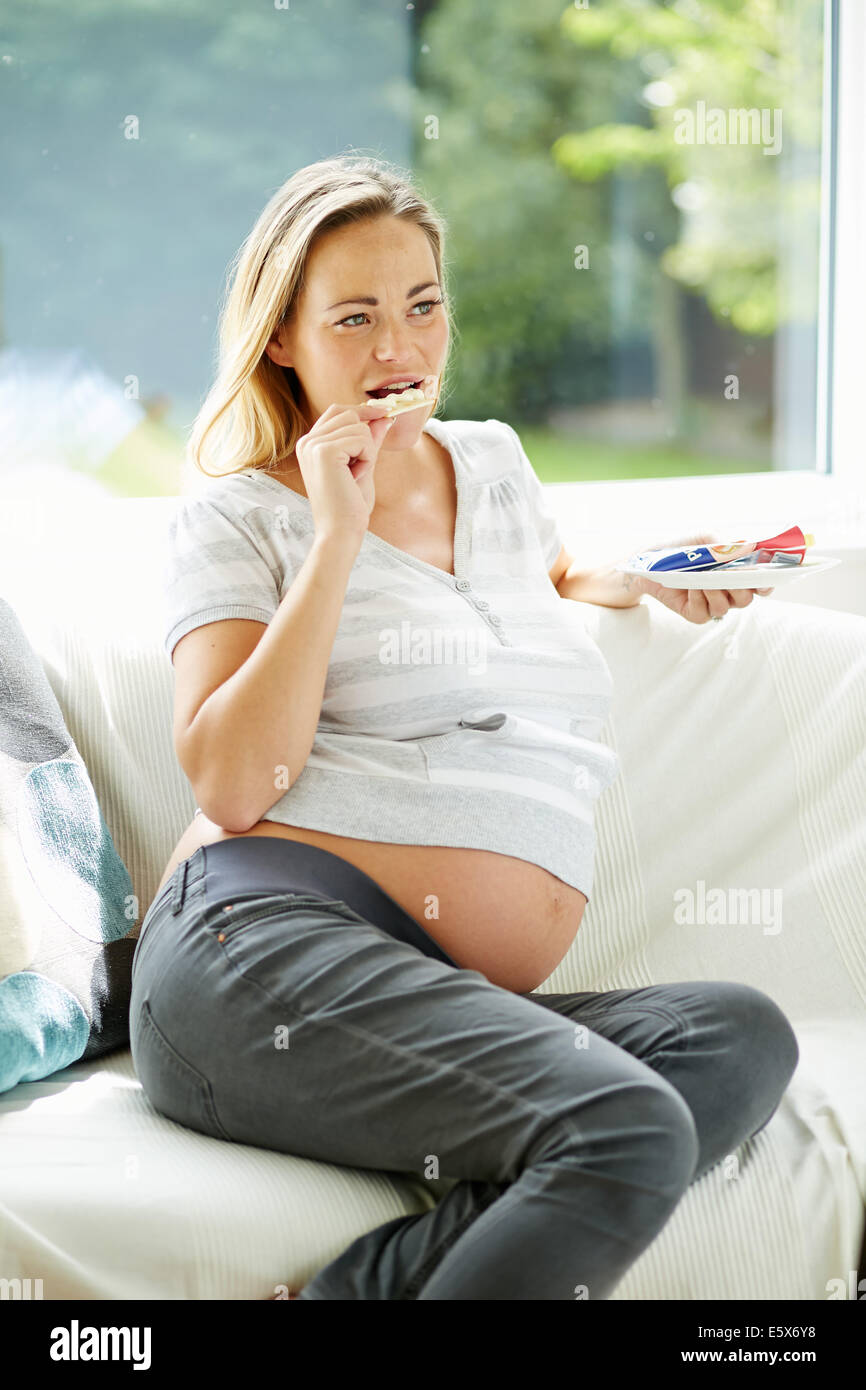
{"x":282,"y":999}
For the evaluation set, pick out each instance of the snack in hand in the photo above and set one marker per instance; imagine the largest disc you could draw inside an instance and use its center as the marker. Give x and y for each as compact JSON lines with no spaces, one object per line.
{"x":401,"y":396}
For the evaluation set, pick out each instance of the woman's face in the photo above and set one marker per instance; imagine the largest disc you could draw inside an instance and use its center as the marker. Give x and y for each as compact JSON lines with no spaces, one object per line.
{"x":367,"y":315}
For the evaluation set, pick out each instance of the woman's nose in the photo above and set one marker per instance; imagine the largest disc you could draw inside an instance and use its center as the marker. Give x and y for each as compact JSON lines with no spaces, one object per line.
{"x":394,"y":338}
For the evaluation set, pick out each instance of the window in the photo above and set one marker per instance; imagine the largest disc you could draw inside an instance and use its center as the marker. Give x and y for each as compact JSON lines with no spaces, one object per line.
{"x":638,"y":246}
{"x":643,"y":202}
{"x":138,"y":144}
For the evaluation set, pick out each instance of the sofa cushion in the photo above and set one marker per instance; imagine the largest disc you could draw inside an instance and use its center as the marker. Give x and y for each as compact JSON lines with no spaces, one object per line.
{"x":67,"y":907}
{"x":86,"y":584}
{"x":103,"y":1198}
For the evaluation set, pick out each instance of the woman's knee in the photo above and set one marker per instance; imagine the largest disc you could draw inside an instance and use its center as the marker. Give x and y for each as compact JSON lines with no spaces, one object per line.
{"x":758,"y":1027}
{"x":760,"y":1051}
{"x":642,"y":1131}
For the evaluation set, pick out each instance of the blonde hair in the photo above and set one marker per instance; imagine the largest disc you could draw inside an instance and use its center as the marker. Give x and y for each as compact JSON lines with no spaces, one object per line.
{"x":250,"y":418}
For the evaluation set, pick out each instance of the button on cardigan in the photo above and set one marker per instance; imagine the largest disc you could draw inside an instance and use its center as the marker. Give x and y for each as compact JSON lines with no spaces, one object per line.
{"x":460,"y":709}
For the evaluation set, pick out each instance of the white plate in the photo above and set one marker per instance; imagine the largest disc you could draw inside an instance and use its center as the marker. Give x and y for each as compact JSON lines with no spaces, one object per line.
{"x":749,"y":577}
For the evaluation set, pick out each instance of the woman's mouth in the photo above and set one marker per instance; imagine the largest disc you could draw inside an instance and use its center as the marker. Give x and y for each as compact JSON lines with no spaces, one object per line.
{"x":395,"y":387}
{"x":406,"y":394}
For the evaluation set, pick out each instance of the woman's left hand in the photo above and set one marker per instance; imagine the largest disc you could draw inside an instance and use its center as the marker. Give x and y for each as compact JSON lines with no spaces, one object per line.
{"x":696,"y":605}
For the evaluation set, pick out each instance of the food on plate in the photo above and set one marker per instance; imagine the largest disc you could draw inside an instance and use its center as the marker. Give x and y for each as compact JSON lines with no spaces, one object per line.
{"x":788,"y":548}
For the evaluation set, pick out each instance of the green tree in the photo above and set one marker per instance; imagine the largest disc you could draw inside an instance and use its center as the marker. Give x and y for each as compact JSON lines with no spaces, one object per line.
{"x":498,"y":84}
{"x":544,"y":128}
{"x":729,"y":199}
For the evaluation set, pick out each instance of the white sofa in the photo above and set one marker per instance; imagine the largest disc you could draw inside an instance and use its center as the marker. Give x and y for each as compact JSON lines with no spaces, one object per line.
{"x":743,"y":766}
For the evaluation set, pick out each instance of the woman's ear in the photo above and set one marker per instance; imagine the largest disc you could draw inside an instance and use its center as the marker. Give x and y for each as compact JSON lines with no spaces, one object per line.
{"x":277,"y":348}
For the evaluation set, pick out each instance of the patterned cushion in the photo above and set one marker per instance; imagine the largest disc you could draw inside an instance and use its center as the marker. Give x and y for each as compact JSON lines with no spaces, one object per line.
{"x":67,"y":907}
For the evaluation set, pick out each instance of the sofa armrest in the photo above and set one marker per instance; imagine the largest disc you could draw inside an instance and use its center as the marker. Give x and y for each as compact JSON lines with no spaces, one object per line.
{"x":733,"y":843}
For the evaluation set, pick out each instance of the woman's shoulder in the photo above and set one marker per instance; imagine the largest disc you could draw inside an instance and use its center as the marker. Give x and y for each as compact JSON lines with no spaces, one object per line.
{"x":472,"y":433}
{"x":490,"y":446}
{"x":240,"y":496}
{"x":241,"y":512}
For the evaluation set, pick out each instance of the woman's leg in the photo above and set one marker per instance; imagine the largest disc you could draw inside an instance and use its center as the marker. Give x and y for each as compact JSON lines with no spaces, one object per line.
{"x":687,"y":1032}
{"x":292,"y":1023}
{"x":727,"y":1048}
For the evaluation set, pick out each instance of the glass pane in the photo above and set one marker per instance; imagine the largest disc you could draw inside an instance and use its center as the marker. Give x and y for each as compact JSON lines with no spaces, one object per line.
{"x":138,"y":144}
{"x":637,"y":240}
{"x":631,"y":190}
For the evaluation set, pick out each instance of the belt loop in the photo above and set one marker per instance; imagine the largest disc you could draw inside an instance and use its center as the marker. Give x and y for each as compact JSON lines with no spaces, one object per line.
{"x":179,"y":887}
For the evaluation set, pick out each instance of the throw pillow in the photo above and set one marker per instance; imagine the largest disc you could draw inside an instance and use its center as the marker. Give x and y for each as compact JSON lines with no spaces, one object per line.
{"x":67,"y":907}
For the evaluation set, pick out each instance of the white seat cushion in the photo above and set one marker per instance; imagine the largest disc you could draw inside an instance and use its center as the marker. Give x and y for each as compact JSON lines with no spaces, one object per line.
{"x":103,"y":1198}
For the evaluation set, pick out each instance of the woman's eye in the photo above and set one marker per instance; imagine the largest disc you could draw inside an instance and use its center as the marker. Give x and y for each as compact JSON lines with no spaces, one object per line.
{"x":427,"y":304}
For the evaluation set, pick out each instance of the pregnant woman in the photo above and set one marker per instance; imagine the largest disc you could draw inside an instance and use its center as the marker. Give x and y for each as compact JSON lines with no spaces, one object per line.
{"x":389,"y":711}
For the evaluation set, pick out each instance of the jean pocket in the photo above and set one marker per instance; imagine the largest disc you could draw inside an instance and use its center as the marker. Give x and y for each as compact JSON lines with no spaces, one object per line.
{"x":173,"y":1085}
{"x":226,"y":919}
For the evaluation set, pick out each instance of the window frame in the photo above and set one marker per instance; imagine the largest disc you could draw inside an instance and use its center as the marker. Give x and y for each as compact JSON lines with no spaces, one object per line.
{"x":844,"y":287}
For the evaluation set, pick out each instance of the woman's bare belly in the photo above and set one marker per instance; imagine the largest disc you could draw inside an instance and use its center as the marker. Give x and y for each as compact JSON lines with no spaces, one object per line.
{"x":509,"y":919}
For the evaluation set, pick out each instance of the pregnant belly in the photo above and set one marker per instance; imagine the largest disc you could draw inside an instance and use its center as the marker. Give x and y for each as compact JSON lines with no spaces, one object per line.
{"x":509,"y":919}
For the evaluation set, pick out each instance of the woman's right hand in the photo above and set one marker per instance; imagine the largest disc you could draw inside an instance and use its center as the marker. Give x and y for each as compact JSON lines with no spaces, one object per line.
{"x":337,"y":458}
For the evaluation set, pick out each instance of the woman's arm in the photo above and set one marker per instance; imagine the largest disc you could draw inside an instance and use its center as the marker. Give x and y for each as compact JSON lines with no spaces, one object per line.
{"x":593,"y":584}
{"x":251,"y":737}
{"x":608,"y":586}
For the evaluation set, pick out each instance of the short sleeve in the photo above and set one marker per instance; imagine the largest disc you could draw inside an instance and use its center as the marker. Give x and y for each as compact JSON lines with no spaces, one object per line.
{"x":538,"y":507}
{"x":213,"y":569}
